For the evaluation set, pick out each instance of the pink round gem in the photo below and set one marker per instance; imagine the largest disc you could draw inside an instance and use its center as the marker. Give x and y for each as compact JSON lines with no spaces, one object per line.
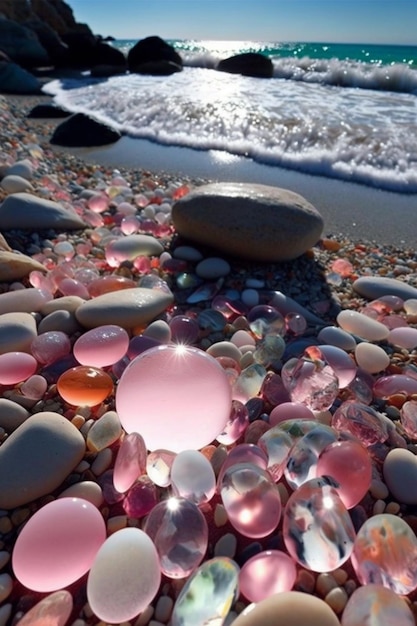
{"x":289,"y":411}
{"x":180,"y":533}
{"x":50,"y":346}
{"x":101,"y":346}
{"x":141,"y":498}
{"x":16,"y":367}
{"x":166,"y":394}
{"x":267,"y":573}
{"x":58,"y":544}
{"x":251,"y":500}
{"x":54,"y":610}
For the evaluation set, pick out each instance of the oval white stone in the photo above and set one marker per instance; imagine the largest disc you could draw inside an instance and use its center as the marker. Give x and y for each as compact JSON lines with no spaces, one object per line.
{"x":334,"y":336}
{"x":124,"y":577}
{"x":403,"y":337}
{"x":371,"y":358}
{"x":362,"y":325}
{"x":400,"y":475}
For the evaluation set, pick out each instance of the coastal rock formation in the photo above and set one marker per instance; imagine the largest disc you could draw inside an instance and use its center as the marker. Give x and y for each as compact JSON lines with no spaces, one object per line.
{"x":153,"y":55}
{"x":256,"y":222}
{"x":15,"y":79}
{"x":80,"y":130}
{"x":26,"y":211}
{"x":248,"y":64}
{"x":22,"y":45}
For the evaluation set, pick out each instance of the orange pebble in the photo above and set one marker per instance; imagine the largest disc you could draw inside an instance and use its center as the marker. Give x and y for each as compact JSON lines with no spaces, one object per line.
{"x":397,"y":399}
{"x":331,"y":244}
{"x":84,"y":386}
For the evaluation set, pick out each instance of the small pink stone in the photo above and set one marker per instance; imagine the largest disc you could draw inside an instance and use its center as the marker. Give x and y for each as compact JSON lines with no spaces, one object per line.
{"x":58,"y":544}
{"x":98,"y":203}
{"x":16,"y":367}
{"x":396,"y":383}
{"x":267,"y":573}
{"x":237,"y":424}
{"x":129,"y":225}
{"x":349,"y":463}
{"x":344,"y":367}
{"x":289,"y":411}
{"x":184,"y":330}
{"x":295,"y":323}
{"x":141,"y":498}
{"x":408,"y":418}
{"x":50,"y":346}
{"x":34,"y":387}
{"x":404,"y":337}
{"x":72,"y":287}
{"x":342,"y":267}
{"x":54,"y":610}
{"x":130,"y":462}
{"x":361,"y":421}
{"x":101,"y":346}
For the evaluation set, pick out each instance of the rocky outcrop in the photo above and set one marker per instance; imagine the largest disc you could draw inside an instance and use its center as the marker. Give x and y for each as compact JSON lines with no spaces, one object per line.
{"x":153,"y":55}
{"x":22,"y":45}
{"x":15,"y":79}
{"x":247,"y":64}
{"x":79,"y":130}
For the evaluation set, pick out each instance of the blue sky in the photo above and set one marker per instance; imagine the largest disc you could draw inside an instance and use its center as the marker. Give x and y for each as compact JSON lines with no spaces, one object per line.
{"x":352,"y":21}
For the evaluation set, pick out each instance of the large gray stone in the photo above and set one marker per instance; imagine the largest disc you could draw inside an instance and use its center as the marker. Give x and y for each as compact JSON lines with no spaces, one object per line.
{"x":255,"y":222}
{"x":25,"y":211}
{"x":127,"y":308}
{"x":37,"y":457}
{"x":373,"y":287}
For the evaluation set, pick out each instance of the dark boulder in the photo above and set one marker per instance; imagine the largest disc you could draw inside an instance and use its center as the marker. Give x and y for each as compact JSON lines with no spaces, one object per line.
{"x":105,"y":54}
{"x":47,"y":111}
{"x":16,"y":80}
{"x":79,"y":131}
{"x":22,"y":45}
{"x":158,"y":68}
{"x":248,"y":64}
{"x":152,"y":50}
{"x":56,"y":49}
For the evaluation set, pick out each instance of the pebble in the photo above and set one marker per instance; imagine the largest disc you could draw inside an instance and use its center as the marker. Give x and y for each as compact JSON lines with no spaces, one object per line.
{"x":335,"y":336}
{"x":400,"y":475}
{"x":37,"y":457}
{"x":403,"y":337}
{"x":26,"y":212}
{"x":212,"y":268}
{"x":371,"y":358}
{"x":12,"y":415}
{"x":187,"y":253}
{"x":21,"y":168}
{"x":131,"y":246}
{"x":87,"y":490}
{"x":15,"y":184}
{"x":6,"y":586}
{"x":374,"y":287}
{"x":226,"y":546}
{"x":17,"y":331}
{"x":14,"y":266}
{"x":128,"y":308}
{"x":361,"y":325}
{"x":104,"y":432}
{"x":23,"y":300}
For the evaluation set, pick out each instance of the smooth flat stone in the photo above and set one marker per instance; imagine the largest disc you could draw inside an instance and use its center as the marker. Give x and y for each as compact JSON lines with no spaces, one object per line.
{"x":375,"y":287}
{"x":24,"y":300}
{"x":17,"y":331}
{"x":37,"y":457}
{"x":127,"y":308}
{"x":14,"y":266}
{"x":257,"y":222}
{"x":65,"y":303}
{"x":12,"y":415}
{"x":404,"y":337}
{"x":21,"y":168}
{"x":361,"y":325}
{"x":212,"y":268}
{"x":334,"y":336}
{"x":132,"y":246}
{"x":15,"y":184}
{"x":26,"y":211}
{"x":400,"y":475}
{"x":371,"y":358}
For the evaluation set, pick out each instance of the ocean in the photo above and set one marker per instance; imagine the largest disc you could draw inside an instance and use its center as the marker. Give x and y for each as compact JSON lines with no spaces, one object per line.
{"x":346,"y":112}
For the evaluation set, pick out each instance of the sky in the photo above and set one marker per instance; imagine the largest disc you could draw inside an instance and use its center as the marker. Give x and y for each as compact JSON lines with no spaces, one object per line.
{"x":349,"y":21}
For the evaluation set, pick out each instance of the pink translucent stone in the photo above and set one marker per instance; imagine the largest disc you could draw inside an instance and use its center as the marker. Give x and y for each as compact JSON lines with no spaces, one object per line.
{"x":295,"y":323}
{"x":404,"y":337}
{"x":54,"y":610}
{"x":192,"y":477}
{"x":158,"y":467}
{"x":318,"y":532}
{"x":41,"y":281}
{"x":289,"y":411}
{"x":184,"y":329}
{"x":34,"y":387}
{"x":101,"y":346}
{"x":129,"y":225}
{"x":273,"y":390}
{"x":58,"y":544}
{"x":166,"y":394}
{"x":98,"y":203}
{"x":267,"y":573}
{"x":375,"y":604}
{"x":276,"y":444}
{"x":342,"y":267}
{"x":244,"y":453}
{"x":125,"y":576}
{"x":237,"y":424}
{"x":408,"y":418}
{"x":106,"y":284}
{"x":311,"y":381}
{"x":410,"y":306}
{"x":16,"y":367}
{"x":303,"y":457}
{"x":385,"y":553}
{"x":349,"y":463}
{"x":50,"y":346}
{"x":141,"y":498}
{"x":251,"y":500}
{"x":264,"y":319}
{"x":130,"y":462}
{"x":180,"y":533}
{"x":361,"y":421}
{"x":396,"y":383}
{"x":72,"y":287}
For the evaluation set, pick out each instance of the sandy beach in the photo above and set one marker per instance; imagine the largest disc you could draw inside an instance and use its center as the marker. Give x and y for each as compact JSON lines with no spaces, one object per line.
{"x":367,"y":233}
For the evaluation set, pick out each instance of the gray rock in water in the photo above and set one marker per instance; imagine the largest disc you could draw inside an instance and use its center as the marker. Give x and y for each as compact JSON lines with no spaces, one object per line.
{"x":373,"y":287}
{"x":25,"y":211}
{"x":255,"y":222}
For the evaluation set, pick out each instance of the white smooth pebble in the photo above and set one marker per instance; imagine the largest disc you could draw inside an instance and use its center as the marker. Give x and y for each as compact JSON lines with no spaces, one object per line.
{"x":362,"y":325}
{"x":334,"y":336}
{"x":371,"y":358}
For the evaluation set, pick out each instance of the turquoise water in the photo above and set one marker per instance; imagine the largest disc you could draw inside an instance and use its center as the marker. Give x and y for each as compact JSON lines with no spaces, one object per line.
{"x":341,"y":111}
